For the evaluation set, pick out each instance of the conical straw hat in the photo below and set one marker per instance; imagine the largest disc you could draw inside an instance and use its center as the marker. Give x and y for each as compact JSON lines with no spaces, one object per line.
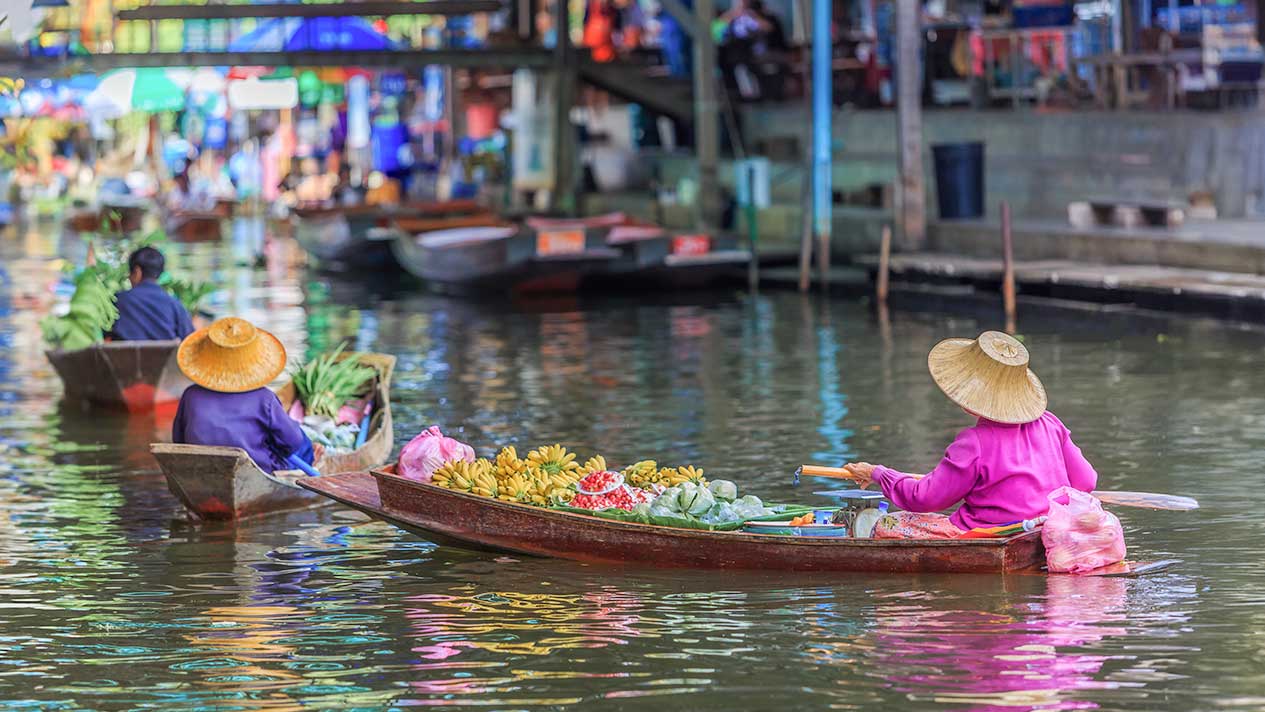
{"x":988,"y":376}
{"x":231,"y":356}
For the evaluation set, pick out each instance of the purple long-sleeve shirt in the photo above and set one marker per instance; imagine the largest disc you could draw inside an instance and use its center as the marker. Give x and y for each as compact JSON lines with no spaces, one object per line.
{"x":1002,"y":473}
{"x":253,"y":421}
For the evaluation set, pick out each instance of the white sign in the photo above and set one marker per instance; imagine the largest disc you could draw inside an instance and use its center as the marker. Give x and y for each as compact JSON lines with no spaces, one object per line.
{"x":256,"y":94}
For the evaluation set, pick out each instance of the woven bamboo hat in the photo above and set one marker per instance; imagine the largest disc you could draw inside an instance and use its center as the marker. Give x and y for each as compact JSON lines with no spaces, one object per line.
{"x":988,"y":376}
{"x":231,"y":356}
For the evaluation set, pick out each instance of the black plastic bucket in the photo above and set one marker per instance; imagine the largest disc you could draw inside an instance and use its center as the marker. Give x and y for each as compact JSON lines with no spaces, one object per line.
{"x":959,"y":179}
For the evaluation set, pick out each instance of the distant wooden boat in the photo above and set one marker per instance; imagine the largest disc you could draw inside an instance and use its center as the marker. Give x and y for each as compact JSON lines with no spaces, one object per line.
{"x":481,"y":523}
{"x":135,"y":376}
{"x":359,"y":236}
{"x":604,"y":252}
{"x":197,"y":227}
{"x":109,"y":218}
{"x":225,"y":483}
{"x":502,"y":259}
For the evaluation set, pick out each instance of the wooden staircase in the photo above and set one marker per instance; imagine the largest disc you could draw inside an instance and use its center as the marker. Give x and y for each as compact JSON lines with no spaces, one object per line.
{"x":644,"y":84}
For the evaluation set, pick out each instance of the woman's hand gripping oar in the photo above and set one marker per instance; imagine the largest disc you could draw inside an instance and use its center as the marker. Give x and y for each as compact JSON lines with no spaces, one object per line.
{"x":1143,"y":500}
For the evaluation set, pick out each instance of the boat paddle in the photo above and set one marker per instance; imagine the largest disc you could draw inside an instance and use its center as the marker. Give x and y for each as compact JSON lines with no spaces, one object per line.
{"x":364,"y":424}
{"x":1143,"y":500}
{"x":289,"y":478}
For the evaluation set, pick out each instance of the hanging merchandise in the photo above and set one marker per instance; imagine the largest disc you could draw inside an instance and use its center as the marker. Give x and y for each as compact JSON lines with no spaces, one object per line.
{"x":433,"y":92}
{"x":333,"y":94}
{"x":216,"y":133}
{"x":358,"y":112}
{"x":307,"y":135}
{"x":310,"y":88}
{"x":392,"y":83}
{"x":389,"y":136}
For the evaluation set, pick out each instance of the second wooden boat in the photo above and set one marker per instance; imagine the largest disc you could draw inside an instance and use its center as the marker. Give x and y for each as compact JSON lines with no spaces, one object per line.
{"x":359,"y":237}
{"x":197,"y":227}
{"x":470,"y":521}
{"x":135,"y":376}
{"x":225,"y":483}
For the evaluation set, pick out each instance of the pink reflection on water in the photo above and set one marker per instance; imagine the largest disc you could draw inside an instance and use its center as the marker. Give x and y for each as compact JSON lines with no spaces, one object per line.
{"x":1008,"y":659}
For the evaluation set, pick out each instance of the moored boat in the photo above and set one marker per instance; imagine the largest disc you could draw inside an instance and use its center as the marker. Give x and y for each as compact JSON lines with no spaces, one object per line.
{"x":565,"y":255}
{"x":224,"y":483}
{"x":197,"y":227}
{"x":135,"y":376}
{"x":470,"y":521}
{"x":359,"y":236}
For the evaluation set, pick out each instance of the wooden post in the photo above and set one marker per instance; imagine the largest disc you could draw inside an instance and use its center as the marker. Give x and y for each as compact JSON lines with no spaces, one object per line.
{"x":806,"y":234}
{"x":806,"y":192}
{"x":913,"y":214}
{"x":564,"y":77}
{"x":1007,"y":269}
{"x":753,"y":235}
{"x":706,"y":113}
{"x":884,"y":264}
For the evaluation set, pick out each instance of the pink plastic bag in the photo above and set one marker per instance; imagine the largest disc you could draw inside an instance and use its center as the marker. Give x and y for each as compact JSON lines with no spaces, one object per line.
{"x":1079,"y":534}
{"x":428,"y":451}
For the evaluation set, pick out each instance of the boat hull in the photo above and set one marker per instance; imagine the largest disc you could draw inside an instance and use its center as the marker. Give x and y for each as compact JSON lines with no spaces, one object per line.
{"x":223,"y":483}
{"x":480,"y":523}
{"x":340,"y":242}
{"x":132,"y":376}
{"x":345,"y":238}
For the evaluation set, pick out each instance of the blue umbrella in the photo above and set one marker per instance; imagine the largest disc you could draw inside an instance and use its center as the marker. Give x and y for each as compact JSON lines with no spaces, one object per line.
{"x":292,"y":34}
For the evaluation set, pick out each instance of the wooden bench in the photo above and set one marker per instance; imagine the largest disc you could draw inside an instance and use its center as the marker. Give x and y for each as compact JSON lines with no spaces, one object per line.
{"x":1126,"y":213}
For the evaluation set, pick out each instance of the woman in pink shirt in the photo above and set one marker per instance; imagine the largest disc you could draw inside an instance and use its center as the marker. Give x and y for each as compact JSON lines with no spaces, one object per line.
{"x":1003,"y":468}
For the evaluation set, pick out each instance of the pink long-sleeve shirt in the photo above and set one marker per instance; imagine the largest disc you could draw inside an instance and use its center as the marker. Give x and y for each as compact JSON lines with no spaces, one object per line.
{"x":1002,"y":473}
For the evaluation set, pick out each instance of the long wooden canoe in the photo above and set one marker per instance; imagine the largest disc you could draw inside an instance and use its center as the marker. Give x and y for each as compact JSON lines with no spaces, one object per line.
{"x":473,"y":522}
{"x":135,"y":376}
{"x":359,"y":236}
{"x":224,"y":483}
{"x":504,"y":258}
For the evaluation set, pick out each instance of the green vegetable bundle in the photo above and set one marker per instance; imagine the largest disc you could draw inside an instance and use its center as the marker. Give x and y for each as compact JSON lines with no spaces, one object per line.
{"x":92,"y":313}
{"x":326,"y":383}
{"x":191,"y":294}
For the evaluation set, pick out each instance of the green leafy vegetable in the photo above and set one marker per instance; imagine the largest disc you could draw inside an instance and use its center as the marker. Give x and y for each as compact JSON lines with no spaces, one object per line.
{"x":92,"y":313}
{"x":191,"y":294}
{"x":325,"y":383}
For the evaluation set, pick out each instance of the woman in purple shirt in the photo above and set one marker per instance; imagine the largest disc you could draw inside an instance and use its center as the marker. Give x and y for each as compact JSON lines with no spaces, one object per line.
{"x":1003,"y":468}
{"x":231,"y":364}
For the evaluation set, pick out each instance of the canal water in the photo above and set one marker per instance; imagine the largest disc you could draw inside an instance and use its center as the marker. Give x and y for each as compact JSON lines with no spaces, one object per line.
{"x":111,"y":599}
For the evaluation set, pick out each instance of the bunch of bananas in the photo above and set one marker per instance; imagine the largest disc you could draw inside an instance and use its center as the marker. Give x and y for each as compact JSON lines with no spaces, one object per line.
{"x":647,"y":473}
{"x":553,"y":459}
{"x":92,"y":313}
{"x":597,"y":463}
{"x":474,"y":477}
{"x":547,"y":476}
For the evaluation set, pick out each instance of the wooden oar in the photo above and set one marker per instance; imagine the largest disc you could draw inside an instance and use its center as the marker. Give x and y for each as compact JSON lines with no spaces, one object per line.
{"x":1143,"y":500}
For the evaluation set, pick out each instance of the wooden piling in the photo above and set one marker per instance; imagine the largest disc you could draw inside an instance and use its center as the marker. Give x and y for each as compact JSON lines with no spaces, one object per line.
{"x":884,"y":264}
{"x":1008,"y":269}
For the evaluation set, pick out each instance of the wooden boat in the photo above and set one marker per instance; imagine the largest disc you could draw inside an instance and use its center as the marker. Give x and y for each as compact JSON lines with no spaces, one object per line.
{"x":136,"y":376}
{"x":197,"y":227}
{"x":547,"y":254}
{"x":225,"y":483}
{"x":469,"y":521}
{"x":359,"y":236}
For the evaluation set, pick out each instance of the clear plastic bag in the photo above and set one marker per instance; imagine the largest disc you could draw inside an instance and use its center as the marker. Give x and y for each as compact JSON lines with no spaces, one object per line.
{"x":1079,"y":534}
